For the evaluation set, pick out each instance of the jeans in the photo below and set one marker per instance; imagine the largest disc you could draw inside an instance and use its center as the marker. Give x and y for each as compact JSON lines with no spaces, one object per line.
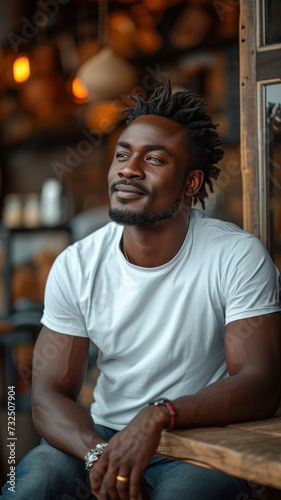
{"x":47,"y":473}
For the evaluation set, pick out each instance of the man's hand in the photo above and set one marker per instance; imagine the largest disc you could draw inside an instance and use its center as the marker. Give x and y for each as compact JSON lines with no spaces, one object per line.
{"x":127,"y":455}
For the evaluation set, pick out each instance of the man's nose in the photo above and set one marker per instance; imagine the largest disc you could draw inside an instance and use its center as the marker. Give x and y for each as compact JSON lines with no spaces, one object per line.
{"x":131,"y":168}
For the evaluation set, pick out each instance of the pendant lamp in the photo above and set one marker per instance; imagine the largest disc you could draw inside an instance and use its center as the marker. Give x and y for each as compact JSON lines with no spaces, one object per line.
{"x":106,"y":75}
{"x":21,"y":69}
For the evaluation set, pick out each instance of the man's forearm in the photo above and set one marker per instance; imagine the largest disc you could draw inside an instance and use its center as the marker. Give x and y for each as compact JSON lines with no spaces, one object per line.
{"x":237,"y":398}
{"x":65,"y":424}
{"x":56,"y":385}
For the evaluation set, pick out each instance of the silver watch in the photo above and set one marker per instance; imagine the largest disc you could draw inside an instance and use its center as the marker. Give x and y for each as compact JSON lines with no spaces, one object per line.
{"x":94,"y":455}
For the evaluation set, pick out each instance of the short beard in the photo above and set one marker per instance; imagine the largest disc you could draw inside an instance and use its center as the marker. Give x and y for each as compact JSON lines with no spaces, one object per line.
{"x":127,"y":218}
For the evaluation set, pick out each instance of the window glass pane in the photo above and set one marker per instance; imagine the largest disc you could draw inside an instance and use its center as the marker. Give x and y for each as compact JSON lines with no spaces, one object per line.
{"x":273,"y":168}
{"x":272,"y":18}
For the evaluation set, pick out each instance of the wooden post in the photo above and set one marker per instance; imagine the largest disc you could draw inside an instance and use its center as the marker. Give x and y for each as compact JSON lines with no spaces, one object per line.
{"x":248,"y":112}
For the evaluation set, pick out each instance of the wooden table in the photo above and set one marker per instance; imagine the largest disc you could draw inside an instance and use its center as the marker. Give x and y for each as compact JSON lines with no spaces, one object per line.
{"x":250,"y":451}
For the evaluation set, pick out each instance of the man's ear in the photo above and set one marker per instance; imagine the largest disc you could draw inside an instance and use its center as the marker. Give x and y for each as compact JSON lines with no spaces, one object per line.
{"x":194,"y":181}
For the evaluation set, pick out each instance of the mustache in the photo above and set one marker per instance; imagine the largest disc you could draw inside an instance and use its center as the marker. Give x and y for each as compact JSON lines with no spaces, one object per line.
{"x":125,"y":182}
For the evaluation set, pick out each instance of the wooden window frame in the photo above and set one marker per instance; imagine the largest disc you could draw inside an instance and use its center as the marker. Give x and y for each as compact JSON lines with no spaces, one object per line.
{"x":259,"y":66}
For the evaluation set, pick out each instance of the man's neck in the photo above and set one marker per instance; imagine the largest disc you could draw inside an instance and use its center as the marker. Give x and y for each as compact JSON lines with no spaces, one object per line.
{"x":155,"y":245}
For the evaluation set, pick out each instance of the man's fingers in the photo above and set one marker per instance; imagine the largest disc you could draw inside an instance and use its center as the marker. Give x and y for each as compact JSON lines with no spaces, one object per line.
{"x":108,"y":487}
{"x":97,"y":473}
{"x":116,"y":483}
{"x":135,"y":484}
{"x":122,"y":483}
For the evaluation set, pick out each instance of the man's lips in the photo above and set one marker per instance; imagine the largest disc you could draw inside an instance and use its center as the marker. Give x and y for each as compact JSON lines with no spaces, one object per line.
{"x":128,"y":191}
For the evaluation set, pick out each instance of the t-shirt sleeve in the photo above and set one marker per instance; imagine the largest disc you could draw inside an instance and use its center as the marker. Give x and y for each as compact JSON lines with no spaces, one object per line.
{"x":251,"y":282}
{"x":61,"y":304}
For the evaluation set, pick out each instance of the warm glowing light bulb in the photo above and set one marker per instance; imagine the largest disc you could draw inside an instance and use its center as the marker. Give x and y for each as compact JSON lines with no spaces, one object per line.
{"x":21,"y":69}
{"x":78,"y":89}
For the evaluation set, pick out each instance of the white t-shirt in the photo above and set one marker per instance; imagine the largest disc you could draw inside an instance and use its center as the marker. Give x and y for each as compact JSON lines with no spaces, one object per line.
{"x":159,"y":331}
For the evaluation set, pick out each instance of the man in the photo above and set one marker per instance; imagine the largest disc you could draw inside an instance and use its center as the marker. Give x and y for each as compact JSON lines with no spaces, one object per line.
{"x":180,"y":306}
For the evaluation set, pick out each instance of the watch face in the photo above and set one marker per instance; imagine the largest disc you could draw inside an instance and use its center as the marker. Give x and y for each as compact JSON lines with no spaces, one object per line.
{"x":159,"y":402}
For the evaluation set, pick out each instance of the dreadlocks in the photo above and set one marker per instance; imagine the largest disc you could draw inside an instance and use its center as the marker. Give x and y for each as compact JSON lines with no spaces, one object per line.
{"x":201,"y":137}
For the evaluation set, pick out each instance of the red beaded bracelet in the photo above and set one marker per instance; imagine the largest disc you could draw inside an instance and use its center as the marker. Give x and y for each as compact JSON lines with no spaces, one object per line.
{"x":172,"y":411}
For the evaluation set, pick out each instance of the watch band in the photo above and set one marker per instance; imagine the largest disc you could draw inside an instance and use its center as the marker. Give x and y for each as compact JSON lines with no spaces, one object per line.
{"x":172,"y":411}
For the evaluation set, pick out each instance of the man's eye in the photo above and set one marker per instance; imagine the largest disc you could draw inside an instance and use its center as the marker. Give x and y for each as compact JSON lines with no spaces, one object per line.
{"x":155,"y":158}
{"x":122,"y":155}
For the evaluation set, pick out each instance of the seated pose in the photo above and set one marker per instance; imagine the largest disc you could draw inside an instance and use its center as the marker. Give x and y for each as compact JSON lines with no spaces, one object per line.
{"x":184,"y":311}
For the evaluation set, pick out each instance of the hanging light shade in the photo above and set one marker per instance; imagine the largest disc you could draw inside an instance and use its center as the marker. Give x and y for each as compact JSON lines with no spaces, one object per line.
{"x":147,"y":40}
{"x":104,"y":116}
{"x":21,"y":69}
{"x":106,"y":75}
{"x":191,"y":27}
{"x":121,"y":29}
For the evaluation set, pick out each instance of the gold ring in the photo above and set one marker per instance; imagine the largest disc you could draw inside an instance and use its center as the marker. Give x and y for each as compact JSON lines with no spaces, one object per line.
{"x":122,"y":479}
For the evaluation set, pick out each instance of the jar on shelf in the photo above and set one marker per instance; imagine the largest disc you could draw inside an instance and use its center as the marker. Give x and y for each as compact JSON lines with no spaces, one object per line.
{"x":13,"y":210}
{"x":31,"y":210}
